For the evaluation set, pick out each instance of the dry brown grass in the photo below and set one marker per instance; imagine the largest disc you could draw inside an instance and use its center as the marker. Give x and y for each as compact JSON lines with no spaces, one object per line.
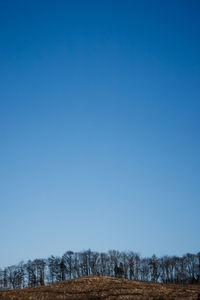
{"x":96,"y":288}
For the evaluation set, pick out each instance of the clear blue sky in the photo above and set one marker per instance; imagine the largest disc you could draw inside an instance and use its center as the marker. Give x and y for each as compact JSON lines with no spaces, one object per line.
{"x":99,"y":127}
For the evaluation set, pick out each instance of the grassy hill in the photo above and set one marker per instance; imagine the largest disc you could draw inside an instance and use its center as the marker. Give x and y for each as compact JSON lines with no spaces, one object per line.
{"x":96,"y":288}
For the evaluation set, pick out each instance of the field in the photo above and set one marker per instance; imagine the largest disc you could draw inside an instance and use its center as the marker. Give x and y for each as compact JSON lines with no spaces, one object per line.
{"x":96,"y":288}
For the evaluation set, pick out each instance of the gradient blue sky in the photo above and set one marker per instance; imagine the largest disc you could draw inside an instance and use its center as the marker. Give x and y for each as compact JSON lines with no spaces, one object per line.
{"x":99,"y":127}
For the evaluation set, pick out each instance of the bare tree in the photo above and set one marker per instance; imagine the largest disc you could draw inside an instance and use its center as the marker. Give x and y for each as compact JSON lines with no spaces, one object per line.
{"x":68,"y":259}
{"x":166,"y":269}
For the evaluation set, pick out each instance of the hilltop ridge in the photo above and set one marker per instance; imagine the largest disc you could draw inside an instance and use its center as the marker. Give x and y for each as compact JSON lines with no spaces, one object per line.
{"x":104,"y":287}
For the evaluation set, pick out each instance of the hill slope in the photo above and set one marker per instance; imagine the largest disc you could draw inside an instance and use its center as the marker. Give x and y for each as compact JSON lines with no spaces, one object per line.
{"x":96,"y":288}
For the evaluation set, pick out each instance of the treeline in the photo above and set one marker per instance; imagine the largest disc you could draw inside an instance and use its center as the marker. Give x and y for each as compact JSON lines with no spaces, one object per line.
{"x":130,"y":265}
